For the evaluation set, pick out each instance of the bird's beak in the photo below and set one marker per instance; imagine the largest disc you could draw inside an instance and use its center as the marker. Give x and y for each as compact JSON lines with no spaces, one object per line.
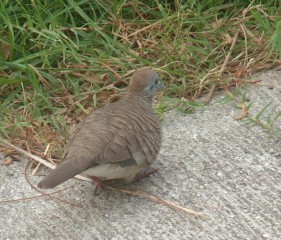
{"x":161,"y":86}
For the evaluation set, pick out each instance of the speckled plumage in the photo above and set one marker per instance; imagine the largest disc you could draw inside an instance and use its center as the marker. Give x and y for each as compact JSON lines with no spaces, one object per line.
{"x":116,"y":141}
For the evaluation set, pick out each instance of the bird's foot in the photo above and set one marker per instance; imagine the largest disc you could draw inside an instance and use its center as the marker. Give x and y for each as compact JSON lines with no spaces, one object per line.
{"x":147,"y":172}
{"x":99,"y":184}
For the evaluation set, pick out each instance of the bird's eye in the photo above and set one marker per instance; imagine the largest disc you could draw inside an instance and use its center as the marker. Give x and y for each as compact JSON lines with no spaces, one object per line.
{"x":156,"y":81}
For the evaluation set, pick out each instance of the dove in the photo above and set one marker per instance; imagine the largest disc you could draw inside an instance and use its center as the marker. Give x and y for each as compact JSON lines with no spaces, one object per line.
{"x":116,"y":141}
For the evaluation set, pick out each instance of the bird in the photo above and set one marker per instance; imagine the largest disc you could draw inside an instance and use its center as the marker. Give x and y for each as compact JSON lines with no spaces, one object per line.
{"x":116,"y":141}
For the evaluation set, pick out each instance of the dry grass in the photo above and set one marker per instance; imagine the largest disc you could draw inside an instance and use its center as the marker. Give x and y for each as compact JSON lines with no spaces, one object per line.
{"x":56,"y":70}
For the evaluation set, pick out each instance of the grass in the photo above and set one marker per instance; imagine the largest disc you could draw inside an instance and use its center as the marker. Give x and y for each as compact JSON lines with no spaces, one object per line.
{"x":61,"y":59}
{"x":266,"y":115}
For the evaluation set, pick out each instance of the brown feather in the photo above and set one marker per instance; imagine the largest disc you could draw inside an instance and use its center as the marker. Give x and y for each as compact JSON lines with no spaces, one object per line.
{"x":125,"y":134}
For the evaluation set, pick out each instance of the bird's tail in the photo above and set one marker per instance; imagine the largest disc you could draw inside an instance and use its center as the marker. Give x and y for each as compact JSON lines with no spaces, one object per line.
{"x":66,"y":170}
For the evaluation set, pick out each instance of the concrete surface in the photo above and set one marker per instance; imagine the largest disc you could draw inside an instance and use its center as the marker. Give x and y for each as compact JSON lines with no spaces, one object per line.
{"x":209,"y":162}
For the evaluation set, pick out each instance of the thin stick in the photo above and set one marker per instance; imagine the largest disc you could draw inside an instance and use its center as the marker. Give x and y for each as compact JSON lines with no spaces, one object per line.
{"x":36,"y":158}
{"x":226,"y":60}
{"x":141,"y":193}
{"x":42,"y":193}
{"x":39,"y":164}
{"x":33,"y":197}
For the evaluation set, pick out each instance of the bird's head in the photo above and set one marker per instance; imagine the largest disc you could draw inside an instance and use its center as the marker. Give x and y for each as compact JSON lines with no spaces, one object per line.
{"x":145,"y":82}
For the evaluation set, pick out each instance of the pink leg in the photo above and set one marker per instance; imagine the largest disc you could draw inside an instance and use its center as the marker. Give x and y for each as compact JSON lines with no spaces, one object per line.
{"x":144,"y":174}
{"x":98,"y":182}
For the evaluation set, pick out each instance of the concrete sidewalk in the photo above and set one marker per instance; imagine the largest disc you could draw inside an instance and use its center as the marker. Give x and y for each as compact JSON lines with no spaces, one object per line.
{"x":209,"y":162}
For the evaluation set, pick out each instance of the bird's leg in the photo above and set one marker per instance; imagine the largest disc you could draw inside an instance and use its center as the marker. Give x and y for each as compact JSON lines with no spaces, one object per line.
{"x":99,"y":184}
{"x":144,"y":174}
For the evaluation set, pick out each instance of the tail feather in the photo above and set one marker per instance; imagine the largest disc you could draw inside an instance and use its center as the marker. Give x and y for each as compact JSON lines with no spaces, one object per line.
{"x":66,"y":170}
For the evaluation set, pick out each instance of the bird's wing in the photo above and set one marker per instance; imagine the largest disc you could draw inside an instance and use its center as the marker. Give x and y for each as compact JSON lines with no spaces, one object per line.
{"x":108,"y":137}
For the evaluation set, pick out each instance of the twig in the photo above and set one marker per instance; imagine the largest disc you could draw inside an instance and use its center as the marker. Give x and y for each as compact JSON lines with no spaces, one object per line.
{"x":42,"y":193}
{"x":144,"y":28}
{"x":226,"y":60}
{"x":34,"y":197}
{"x":139,"y":193}
{"x":36,"y":158}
